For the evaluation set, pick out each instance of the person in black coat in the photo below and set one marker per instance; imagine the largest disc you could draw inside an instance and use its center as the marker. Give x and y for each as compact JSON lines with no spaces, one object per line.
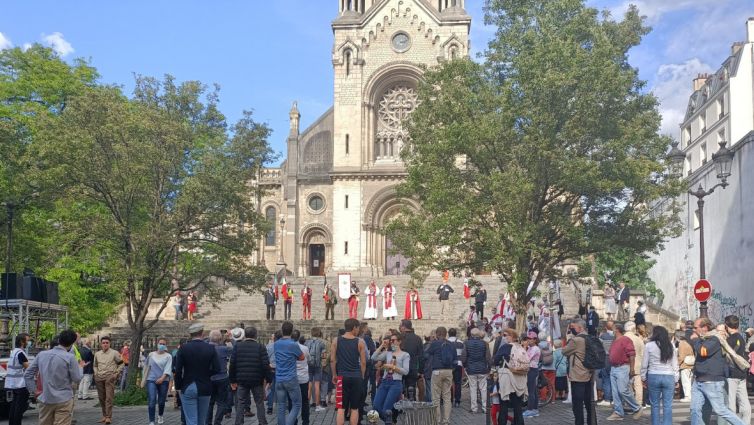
{"x":480,"y":297}
{"x":624,"y":295}
{"x":248,"y":371}
{"x":592,"y":321}
{"x":196,"y":362}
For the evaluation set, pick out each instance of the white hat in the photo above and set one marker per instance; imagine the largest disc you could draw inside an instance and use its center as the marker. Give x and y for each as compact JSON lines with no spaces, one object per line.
{"x":237,"y":334}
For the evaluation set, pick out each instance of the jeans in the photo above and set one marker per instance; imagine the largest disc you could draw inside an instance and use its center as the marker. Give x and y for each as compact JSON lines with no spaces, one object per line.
{"x":178,"y":312}
{"x":387,"y":394}
{"x":220,"y":394}
{"x":737,"y":395}
{"x":84,"y":385}
{"x":285,"y":391}
{"x":714,"y":393}
{"x":287,"y":310}
{"x":271,"y":394}
{"x":427,"y":389}
{"x":607,"y":392}
{"x":619,"y":381}
{"x":531,"y":385}
{"x":156,"y":394}
{"x":242,"y":400}
{"x":581,"y":397}
{"x":687,"y":376}
{"x":194,"y":406}
{"x":478,"y":383}
{"x":661,"y":388}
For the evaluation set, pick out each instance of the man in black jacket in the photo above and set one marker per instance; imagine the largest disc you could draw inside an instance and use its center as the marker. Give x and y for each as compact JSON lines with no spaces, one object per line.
{"x":480,"y":297}
{"x":624,"y":296}
{"x":270,"y":299}
{"x":249,"y":369}
{"x":412,"y":344}
{"x":196,"y":362}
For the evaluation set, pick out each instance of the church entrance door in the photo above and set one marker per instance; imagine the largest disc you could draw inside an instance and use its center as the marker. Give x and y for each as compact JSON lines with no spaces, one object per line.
{"x":395,"y":263}
{"x":316,"y":260}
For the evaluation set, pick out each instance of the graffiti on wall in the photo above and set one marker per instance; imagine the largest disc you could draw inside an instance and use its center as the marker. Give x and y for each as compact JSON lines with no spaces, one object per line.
{"x":681,"y":298}
{"x":723,"y":304}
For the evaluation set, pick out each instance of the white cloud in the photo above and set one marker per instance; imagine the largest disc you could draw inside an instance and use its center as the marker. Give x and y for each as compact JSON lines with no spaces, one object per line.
{"x":5,"y":42}
{"x":673,"y":86}
{"x":654,"y":9}
{"x":26,"y":46}
{"x":58,"y":43}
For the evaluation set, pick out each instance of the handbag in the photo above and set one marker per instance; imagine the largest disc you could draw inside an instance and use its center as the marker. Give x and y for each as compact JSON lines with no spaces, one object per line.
{"x":689,"y":360}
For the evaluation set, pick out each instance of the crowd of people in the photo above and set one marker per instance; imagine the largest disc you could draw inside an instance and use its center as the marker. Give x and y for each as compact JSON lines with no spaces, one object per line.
{"x":597,"y":363}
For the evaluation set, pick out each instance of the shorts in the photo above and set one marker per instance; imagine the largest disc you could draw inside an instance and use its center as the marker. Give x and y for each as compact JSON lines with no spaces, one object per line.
{"x":315,"y":374}
{"x":349,"y":393}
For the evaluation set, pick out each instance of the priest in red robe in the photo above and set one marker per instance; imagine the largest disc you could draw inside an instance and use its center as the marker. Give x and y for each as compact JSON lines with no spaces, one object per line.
{"x":413,"y":310}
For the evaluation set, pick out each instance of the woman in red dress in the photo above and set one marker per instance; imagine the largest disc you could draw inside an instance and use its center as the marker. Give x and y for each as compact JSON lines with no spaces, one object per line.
{"x":191,"y":304}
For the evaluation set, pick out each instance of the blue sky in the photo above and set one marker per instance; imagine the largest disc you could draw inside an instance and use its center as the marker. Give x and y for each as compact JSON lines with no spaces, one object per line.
{"x":266,"y":54}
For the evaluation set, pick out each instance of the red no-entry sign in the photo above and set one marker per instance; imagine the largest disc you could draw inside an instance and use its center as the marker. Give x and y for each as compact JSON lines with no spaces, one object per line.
{"x":702,"y":290}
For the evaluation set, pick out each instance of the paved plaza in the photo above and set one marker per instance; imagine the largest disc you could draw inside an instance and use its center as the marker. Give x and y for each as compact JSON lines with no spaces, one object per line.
{"x":87,"y":413}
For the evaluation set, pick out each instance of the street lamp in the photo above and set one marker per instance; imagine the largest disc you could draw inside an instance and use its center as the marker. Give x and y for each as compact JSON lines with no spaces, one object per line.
{"x":723,"y":160}
{"x":281,"y":260}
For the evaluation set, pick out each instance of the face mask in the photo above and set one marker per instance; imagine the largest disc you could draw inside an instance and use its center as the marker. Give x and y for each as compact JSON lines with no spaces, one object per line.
{"x":395,"y":347}
{"x":162,"y":347}
{"x":28,"y":344}
{"x":573,"y":331}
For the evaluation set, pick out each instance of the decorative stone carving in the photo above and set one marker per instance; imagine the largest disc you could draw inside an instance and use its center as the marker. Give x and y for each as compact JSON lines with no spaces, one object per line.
{"x":396,"y":106}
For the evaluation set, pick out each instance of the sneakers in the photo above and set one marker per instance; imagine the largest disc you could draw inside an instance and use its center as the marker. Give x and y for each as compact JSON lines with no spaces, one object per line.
{"x":160,"y":420}
{"x":637,"y":414}
{"x":615,"y":417}
{"x":151,"y":423}
{"x":685,"y":400}
{"x":269,"y":411}
{"x":605,"y":403}
{"x":320,"y":409}
{"x":531,"y":413}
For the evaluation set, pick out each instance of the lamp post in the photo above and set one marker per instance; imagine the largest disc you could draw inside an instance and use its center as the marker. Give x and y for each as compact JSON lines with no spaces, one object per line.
{"x":281,"y":259}
{"x":723,"y":160}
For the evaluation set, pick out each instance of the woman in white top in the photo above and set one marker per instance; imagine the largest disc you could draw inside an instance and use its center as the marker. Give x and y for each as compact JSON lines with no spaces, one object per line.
{"x":157,"y":373}
{"x":659,"y":370}
{"x":395,"y":364}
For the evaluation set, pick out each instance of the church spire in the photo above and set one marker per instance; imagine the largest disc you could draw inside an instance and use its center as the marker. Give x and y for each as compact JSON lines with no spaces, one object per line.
{"x":294,"y":116}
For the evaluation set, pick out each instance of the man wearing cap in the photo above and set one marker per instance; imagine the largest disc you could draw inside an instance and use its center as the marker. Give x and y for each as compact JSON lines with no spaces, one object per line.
{"x":196,"y":362}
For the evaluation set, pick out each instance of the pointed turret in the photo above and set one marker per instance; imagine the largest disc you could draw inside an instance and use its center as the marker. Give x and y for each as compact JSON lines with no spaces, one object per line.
{"x":295,"y":116}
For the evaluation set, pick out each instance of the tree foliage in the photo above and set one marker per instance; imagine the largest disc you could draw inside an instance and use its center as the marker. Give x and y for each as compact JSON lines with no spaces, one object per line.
{"x":547,"y":151}
{"x":622,"y":265}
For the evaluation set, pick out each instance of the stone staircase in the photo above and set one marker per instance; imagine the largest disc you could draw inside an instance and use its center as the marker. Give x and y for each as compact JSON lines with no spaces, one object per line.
{"x":236,"y":307}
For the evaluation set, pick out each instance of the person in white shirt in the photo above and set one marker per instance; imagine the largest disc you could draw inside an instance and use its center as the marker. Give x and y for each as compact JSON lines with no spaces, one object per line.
{"x":659,"y":371}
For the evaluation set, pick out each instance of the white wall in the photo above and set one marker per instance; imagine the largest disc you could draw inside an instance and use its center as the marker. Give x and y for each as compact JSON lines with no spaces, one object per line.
{"x":729,"y":244}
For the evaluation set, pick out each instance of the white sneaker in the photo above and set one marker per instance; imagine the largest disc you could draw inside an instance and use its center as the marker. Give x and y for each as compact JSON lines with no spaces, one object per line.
{"x":151,"y":423}
{"x":320,"y":409}
{"x":160,"y":420}
{"x":604,"y":403}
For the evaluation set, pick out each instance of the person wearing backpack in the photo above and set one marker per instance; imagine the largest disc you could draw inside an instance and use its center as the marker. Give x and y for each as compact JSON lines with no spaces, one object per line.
{"x":458,"y":368}
{"x":316,"y":351}
{"x":443,"y":357}
{"x":513,"y":367}
{"x":579,"y":374}
{"x":710,"y":371}
{"x":737,"y":394}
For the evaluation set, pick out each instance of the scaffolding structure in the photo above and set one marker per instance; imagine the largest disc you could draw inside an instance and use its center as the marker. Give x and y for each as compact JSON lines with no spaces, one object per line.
{"x":26,"y":316}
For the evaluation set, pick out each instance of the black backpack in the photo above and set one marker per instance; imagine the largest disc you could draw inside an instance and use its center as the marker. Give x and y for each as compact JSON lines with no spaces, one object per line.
{"x":595,"y":355}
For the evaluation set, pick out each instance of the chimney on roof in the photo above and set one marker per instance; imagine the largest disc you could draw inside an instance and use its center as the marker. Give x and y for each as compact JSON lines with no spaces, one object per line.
{"x":735,"y":47}
{"x":750,"y":30}
{"x":699,"y":81}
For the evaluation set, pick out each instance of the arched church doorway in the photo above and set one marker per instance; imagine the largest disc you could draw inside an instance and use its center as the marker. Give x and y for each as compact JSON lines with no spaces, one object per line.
{"x":395,"y":262}
{"x":317,"y":259}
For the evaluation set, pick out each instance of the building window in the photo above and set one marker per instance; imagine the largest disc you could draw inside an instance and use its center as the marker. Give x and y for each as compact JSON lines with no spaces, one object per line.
{"x":696,"y":219}
{"x":348,"y":62}
{"x":703,"y":154}
{"x":316,"y":203}
{"x":721,"y":136}
{"x":720,"y":107}
{"x":345,"y":248}
{"x":688,"y":165}
{"x":348,"y":143}
{"x":686,"y":136}
{"x":702,"y":123}
{"x":270,"y":214}
{"x":346,"y":201}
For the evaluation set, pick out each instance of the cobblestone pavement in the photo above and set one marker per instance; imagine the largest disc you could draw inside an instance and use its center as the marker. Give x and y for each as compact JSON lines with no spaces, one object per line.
{"x":87,"y":413}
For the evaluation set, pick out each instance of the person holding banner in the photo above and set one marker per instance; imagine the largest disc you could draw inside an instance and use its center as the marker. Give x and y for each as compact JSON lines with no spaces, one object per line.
{"x":389,"y":311}
{"x":370,"y":311}
{"x":353,"y":301}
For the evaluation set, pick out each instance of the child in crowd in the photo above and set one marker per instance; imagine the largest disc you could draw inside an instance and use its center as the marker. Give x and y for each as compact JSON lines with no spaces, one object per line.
{"x":492,"y":388}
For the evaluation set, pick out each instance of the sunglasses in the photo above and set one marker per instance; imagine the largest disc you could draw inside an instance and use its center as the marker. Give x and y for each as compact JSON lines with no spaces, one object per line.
{"x":393,"y":340}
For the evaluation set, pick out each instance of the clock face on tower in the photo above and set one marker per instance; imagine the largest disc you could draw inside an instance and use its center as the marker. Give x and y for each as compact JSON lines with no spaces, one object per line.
{"x":401,"y":42}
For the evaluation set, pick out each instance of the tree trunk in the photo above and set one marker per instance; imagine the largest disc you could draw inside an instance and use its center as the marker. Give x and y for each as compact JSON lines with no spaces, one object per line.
{"x":137,"y":336}
{"x":520,"y":308}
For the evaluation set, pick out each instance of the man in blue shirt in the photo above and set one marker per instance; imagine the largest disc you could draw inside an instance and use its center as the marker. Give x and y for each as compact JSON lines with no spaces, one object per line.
{"x":287,"y":353}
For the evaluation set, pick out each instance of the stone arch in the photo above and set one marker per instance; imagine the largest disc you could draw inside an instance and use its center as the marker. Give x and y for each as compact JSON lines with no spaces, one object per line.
{"x":384,"y":205}
{"x":397,"y":80}
{"x":315,"y":249}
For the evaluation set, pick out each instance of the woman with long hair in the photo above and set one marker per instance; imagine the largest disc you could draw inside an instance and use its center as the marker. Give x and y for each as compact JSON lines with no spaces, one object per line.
{"x":659,"y":370}
{"x":395,"y":365}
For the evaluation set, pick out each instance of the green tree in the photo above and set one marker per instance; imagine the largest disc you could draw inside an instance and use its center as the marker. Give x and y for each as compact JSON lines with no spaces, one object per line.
{"x":34,"y":83}
{"x":547,"y":151}
{"x":166,"y":189}
{"x":622,"y":265}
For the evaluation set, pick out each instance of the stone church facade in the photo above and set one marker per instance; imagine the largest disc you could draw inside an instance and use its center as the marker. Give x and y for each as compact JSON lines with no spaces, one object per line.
{"x":335,"y":191}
